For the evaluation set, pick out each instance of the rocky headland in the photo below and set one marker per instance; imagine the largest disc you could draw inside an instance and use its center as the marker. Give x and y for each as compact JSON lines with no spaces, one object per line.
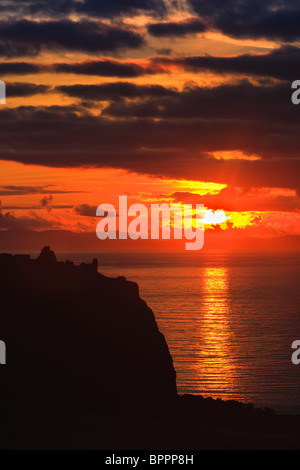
{"x":88,"y":368}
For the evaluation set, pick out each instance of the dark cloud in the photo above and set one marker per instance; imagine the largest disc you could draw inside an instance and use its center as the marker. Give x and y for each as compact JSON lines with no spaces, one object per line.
{"x":14,"y":190}
{"x":92,"y":8}
{"x":61,"y":137}
{"x":115,"y":91}
{"x":107,"y":68}
{"x":281,"y":63}
{"x":86,"y":210}
{"x":152,"y":129}
{"x":46,"y":202}
{"x":19,"y":68}
{"x":271,"y":19}
{"x":29,"y":38}
{"x":177,"y":28}
{"x":238,"y":101}
{"x":280,"y":25}
{"x":14,"y":90}
{"x":8,"y":221}
{"x":39,"y":8}
{"x":118,"y":7}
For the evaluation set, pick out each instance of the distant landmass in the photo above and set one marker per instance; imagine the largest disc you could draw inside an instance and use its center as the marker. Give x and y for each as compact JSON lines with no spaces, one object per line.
{"x":64,"y":240}
{"x":88,"y":368}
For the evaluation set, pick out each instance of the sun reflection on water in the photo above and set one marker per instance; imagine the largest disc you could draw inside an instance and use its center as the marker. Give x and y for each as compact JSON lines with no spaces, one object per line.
{"x":215,"y":367}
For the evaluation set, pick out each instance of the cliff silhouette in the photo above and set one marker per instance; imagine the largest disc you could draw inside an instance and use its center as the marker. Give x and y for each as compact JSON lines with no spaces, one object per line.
{"x":87,"y":367}
{"x":93,"y":335}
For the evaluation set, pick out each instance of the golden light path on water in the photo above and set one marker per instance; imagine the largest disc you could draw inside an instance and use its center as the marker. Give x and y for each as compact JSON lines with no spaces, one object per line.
{"x":229,"y":320}
{"x":214,"y":331}
{"x":206,"y":335}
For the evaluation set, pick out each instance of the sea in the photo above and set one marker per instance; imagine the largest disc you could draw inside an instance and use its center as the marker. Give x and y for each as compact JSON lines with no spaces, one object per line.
{"x":229,"y":319}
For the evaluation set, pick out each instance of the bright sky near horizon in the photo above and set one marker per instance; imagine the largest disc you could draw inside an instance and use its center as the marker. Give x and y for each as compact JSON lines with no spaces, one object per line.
{"x":179,"y":102}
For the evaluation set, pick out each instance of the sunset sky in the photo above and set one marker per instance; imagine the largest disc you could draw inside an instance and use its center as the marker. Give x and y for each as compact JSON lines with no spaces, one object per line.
{"x":163,"y":101}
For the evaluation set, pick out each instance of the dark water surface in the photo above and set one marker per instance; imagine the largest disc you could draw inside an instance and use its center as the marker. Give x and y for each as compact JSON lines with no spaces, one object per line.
{"x":229,"y":319}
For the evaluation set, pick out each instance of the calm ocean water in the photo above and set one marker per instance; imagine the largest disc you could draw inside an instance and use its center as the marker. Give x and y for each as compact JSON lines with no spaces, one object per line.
{"x":229,"y":319}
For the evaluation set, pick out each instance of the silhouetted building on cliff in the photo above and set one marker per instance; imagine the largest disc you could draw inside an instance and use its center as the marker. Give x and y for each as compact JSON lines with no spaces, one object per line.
{"x":74,"y":334}
{"x":87,"y":367}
